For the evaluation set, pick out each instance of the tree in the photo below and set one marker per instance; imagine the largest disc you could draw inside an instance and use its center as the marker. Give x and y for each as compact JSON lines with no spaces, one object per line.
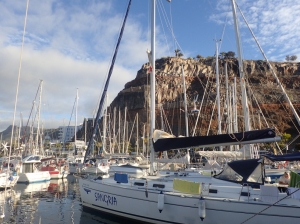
{"x":209,"y":58}
{"x":222,"y":55}
{"x":293,"y":58}
{"x":230,"y":54}
{"x":69,"y":146}
{"x":58,"y":145}
{"x":178,"y":54}
{"x":287,"y":58}
{"x":284,"y":139}
{"x":199,"y":57}
{"x":130,"y":147}
{"x":98,"y":145}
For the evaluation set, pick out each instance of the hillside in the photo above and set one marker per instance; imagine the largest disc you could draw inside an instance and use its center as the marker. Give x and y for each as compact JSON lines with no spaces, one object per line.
{"x":267,"y":106}
{"x":53,"y":133}
{"x":263,"y":93}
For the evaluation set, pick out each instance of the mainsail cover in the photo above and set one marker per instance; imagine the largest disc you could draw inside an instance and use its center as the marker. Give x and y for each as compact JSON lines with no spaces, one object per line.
{"x":247,"y":137}
{"x":286,"y":157}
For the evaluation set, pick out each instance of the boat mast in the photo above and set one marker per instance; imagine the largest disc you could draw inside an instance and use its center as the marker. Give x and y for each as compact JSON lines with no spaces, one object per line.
{"x":161,"y":118}
{"x":39,"y":114}
{"x":75,"y":129}
{"x":119,"y":133}
{"x":144,"y":141}
{"x":114,"y":132}
{"x":124,"y":131}
{"x":104,"y":127}
{"x":218,"y":88}
{"x":91,"y":142}
{"x":241,"y":69}
{"x":137,"y":133}
{"x":152,"y":87}
{"x":109,"y":132}
{"x":85,"y":123}
{"x":185,"y":107}
{"x":227,"y":99}
{"x":185,"y":104}
{"x":218,"y":91}
{"x":19,"y":135}
{"x":235,"y":121}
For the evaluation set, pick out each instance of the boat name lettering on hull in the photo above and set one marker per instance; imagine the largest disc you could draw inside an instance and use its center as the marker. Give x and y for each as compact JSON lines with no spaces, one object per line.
{"x":109,"y":200}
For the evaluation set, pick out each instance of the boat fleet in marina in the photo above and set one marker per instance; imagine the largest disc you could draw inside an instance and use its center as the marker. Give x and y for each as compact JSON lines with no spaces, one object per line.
{"x":160,"y":189}
{"x":239,"y":193}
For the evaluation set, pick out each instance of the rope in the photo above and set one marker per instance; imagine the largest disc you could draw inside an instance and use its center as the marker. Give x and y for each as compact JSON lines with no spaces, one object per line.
{"x":232,"y":136}
{"x":269,"y":207}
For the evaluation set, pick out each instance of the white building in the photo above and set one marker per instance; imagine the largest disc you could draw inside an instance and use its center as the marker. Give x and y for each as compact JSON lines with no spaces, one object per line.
{"x":66,"y":133}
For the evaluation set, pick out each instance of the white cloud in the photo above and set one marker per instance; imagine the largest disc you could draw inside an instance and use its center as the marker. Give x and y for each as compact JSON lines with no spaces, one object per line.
{"x":275,"y":23}
{"x":68,"y":46}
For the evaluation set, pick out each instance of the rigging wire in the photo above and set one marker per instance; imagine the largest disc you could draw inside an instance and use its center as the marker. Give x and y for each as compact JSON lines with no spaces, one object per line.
{"x":170,"y":26}
{"x":107,"y":82}
{"x":70,"y":121}
{"x":31,"y":111}
{"x":108,"y":68}
{"x":165,"y":36}
{"x":273,"y":72}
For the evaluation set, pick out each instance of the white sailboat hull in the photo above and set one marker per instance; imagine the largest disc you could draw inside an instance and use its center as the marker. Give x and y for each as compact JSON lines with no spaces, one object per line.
{"x":132,"y":171}
{"x":180,"y":208}
{"x":34,"y":177}
{"x":7,"y":181}
{"x":95,"y":170}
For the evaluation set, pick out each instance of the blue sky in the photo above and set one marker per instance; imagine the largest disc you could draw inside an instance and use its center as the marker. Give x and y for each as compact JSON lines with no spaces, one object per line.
{"x":69,"y":45}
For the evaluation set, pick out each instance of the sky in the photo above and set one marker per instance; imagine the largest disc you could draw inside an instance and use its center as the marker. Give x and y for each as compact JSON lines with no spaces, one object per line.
{"x":69,"y":45}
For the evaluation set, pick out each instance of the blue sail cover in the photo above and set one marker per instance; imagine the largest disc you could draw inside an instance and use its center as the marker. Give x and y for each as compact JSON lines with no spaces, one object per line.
{"x":247,"y":137}
{"x":245,"y":169}
{"x":286,"y":157}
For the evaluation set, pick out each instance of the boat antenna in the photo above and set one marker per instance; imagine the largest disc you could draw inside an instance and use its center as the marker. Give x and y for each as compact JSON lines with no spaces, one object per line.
{"x":91,"y":142}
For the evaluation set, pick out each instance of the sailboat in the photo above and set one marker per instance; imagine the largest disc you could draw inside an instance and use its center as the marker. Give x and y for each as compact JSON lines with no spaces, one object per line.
{"x":30,"y":170}
{"x":237,"y":195}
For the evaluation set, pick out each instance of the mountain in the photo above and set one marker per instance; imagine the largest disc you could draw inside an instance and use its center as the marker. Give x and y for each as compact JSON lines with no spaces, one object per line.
{"x":264,"y":93}
{"x":6,"y":134}
{"x":200,"y":81}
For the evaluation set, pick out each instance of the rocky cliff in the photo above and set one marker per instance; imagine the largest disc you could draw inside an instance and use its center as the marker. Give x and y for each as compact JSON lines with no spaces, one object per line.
{"x":266,"y":102}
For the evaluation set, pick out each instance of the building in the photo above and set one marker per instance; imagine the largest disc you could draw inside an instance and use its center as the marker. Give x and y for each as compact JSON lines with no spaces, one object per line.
{"x":66,"y":133}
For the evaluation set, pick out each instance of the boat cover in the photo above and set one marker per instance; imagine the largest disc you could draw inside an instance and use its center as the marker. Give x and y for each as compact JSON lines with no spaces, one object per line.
{"x":258,"y":136}
{"x":286,"y":157}
{"x":242,"y":171}
{"x":121,"y":177}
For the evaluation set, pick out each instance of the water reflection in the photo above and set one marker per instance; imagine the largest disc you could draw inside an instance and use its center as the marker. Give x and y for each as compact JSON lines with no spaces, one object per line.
{"x":47,"y":202}
{"x":93,"y":217}
{"x":55,"y":201}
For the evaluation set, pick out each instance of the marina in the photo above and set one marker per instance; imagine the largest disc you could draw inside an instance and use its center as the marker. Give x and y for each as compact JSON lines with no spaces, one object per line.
{"x":157,"y":154}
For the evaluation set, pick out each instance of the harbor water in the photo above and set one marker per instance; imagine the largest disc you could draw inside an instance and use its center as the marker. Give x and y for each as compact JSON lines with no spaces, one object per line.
{"x":55,"y":201}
